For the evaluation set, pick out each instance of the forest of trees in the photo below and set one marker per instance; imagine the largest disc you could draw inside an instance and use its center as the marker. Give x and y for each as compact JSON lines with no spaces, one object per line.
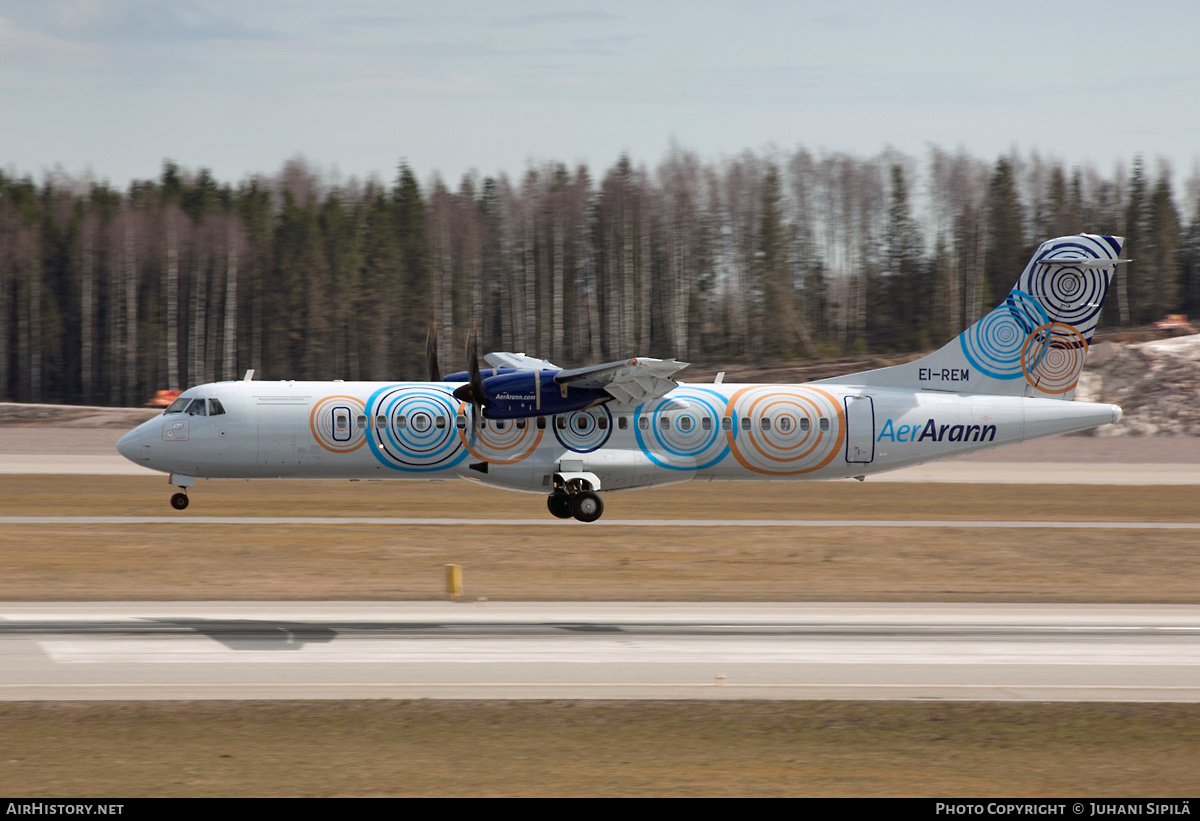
{"x":107,"y":296}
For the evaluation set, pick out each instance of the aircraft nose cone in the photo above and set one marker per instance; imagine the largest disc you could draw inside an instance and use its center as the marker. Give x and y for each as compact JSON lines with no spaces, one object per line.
{"x":129,"y":444}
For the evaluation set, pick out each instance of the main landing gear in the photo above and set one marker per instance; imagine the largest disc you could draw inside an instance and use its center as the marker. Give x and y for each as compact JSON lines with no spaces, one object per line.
{"x":585,"y":505}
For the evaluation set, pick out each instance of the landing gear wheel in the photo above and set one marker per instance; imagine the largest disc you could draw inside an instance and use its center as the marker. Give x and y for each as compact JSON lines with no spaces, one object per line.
{"x":560,"y":505}
{"x":586,"y":506}
{"x":179,"y":501}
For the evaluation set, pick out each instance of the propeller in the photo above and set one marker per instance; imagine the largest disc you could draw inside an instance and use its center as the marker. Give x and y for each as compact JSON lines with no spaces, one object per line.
{"x":472,"y":391}
{"x":431,"y":360}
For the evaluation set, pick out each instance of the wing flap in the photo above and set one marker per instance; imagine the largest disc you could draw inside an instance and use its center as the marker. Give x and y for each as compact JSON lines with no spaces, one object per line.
{"x":630,"y":381}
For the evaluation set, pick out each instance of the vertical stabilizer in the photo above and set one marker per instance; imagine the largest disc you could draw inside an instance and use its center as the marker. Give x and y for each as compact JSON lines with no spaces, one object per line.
{"x":1035,"y":342}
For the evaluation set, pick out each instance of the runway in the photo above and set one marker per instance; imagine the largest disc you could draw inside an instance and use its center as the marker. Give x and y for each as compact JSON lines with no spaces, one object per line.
{"x":443,"y":650}
{"x":962,"y":470}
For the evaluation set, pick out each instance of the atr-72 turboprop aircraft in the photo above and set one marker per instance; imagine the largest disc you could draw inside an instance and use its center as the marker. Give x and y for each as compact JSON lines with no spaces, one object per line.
{"x":527,"y":425}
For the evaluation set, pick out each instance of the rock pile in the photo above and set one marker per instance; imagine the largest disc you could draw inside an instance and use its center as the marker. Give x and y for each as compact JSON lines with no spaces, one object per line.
{"x":1157,"y":384}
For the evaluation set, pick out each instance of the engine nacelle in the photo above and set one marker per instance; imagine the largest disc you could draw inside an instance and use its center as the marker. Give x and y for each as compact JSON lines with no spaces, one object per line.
{"x":517,"y":395}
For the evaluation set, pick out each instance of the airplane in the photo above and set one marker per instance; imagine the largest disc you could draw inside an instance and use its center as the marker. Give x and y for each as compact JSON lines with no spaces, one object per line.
{"x":526,"y":425}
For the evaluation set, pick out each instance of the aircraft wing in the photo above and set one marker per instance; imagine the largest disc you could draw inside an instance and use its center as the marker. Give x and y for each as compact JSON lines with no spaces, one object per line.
{"x":503,"y":359}
{"x":630,"y":381}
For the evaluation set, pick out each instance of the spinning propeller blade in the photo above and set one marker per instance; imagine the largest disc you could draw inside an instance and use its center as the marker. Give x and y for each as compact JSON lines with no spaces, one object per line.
{"x":473,"y":391}
{"x":431,"y":359}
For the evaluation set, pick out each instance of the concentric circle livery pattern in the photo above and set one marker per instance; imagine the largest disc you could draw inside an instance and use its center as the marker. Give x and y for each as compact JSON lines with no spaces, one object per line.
{"x":1070,"y":294}
{"x":684,"y":444}
{"x":582,"y":432}
{"x":1053,"y":357}
{"x":420,"y":443}
{"x":499,"y":446}
{"x":786,"y":449}
{"x":993,"y":344}
{"x":323,"y":423}
{"x":1043,"y":329}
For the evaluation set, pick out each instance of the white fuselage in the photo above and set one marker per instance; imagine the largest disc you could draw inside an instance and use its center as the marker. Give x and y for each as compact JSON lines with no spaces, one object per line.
{"x":714,"y":432}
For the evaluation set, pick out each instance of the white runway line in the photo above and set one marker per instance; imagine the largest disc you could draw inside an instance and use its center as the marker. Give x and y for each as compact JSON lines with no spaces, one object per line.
{"x":185,"y":519}
{"x":641,"y":651}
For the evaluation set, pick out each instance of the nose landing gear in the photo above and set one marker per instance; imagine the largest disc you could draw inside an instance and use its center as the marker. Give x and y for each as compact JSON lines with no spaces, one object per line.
{"x":179,"y":501}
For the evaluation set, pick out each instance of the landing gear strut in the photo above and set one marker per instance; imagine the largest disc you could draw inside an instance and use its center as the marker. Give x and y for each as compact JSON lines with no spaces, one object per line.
{"x":179,"y":501}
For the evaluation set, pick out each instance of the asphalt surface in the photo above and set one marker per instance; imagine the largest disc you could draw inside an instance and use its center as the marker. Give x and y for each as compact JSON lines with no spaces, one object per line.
{"x":607,"y":651}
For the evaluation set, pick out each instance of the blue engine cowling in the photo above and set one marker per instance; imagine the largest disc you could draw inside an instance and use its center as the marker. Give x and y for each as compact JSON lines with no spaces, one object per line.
{"x":515,"y":396}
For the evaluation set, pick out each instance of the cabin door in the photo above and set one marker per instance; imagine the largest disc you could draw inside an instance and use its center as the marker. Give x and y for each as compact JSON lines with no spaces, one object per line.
{"x":860,"y":429}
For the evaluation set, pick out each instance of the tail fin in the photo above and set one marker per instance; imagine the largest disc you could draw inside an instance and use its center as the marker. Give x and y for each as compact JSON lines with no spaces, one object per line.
{"x":1035,"y":342}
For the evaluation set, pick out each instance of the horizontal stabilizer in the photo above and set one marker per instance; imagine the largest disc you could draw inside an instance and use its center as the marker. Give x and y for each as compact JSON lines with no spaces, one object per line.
{"x":1098,"y":264}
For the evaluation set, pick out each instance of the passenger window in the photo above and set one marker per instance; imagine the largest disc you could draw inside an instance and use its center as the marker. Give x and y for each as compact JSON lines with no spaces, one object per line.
{"x":441,"y":422}
{"x":500,"y":423}
{"x":685,"y":423}
{"x":706,"y":423}
{"x":581,"y":423}
{"x":726,"y":423}
{"x":824,"y":423}
{"x":745,"y":423}
{"x":541,"y":423}
{"x":215,"y":408}
{"x":644,"y":423}
{"x":766,"y":423}
{"x":362,"y":422}
{"x":401,"y":423}
{"x":521,"y":424}
{"x":602,"y":422}
{"x":785,"y":425}
{"x":381,"y":421}
{"x":665,"y":422}
{"x":804,"y":423}
{"x":340,"y":421}
{"x":460,"y":422}
{"x":560,"y":423}
{"x":623,"y":422}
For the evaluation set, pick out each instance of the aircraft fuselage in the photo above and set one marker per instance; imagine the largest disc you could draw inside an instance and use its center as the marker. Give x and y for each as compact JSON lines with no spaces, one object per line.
{"x":712,"y":432}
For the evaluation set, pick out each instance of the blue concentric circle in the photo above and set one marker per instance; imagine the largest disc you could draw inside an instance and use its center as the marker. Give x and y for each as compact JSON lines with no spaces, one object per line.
{"x":582,"y":432}
{"x":1071,"y":294}
{"x":684,"y":444}
{"x":993,"y":344}
{"x":420,"y":435}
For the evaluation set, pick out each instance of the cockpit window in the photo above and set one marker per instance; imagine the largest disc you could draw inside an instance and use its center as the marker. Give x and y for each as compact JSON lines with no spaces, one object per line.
{"x":178,"y":405}
{"x":199,"y":407}
{"x":215,"y":408}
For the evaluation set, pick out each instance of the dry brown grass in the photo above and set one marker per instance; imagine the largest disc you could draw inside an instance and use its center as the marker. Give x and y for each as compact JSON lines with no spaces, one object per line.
{"x":375,"y":748}
{"x":184,"y":561}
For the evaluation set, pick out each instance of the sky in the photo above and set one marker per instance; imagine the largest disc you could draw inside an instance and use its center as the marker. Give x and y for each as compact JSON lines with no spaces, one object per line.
{"x":115,"y":87}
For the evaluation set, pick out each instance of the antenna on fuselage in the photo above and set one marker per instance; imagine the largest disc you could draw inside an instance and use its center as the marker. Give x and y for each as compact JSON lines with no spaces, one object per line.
{"x":249,"y":375}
